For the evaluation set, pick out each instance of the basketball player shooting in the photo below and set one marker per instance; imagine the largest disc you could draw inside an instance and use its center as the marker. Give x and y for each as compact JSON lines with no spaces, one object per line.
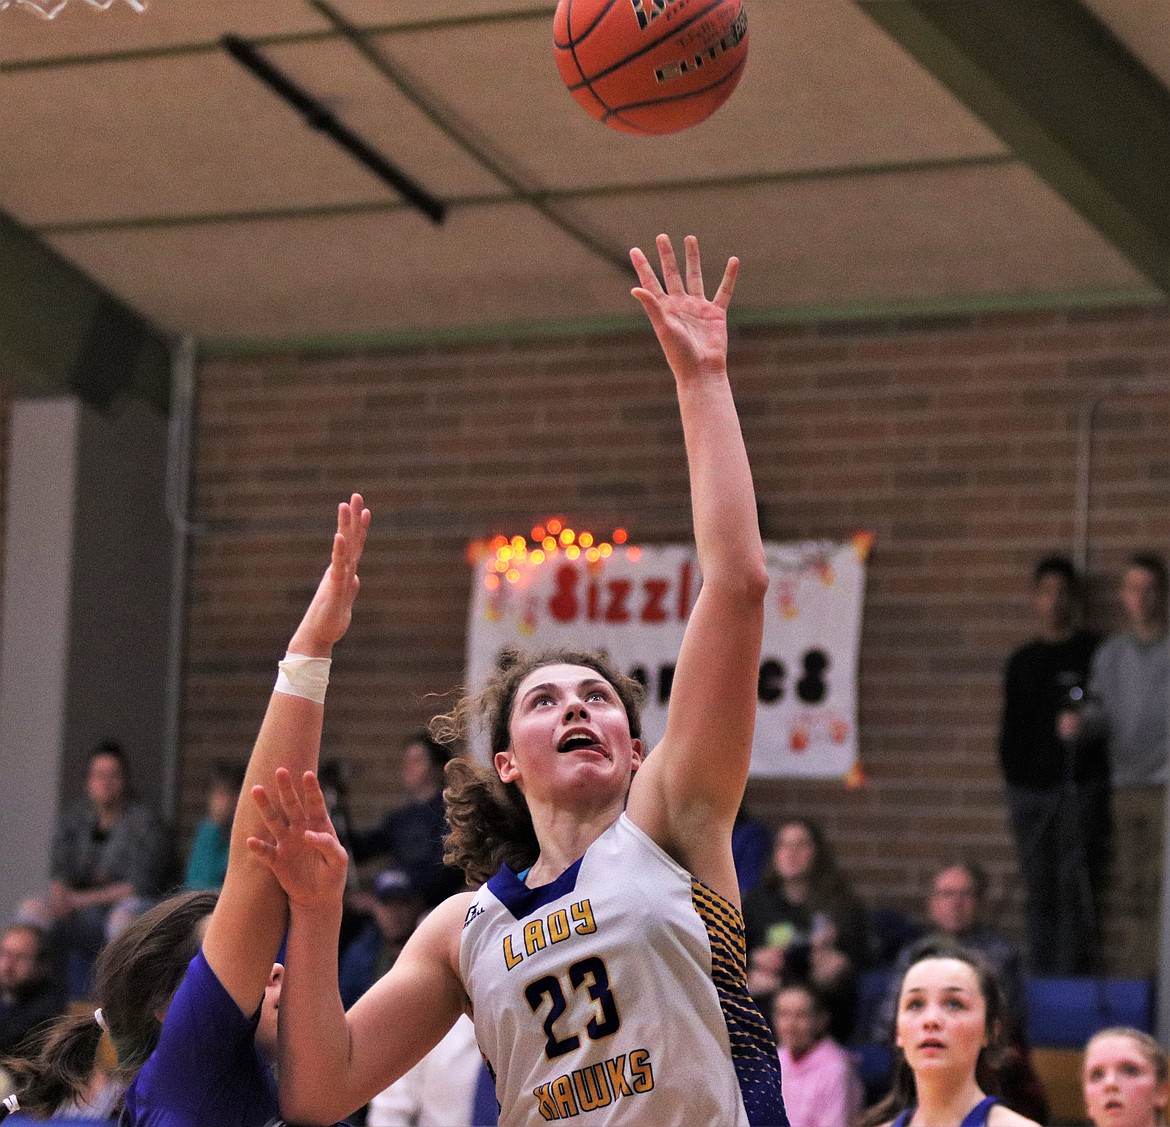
{"x":603,"y":959}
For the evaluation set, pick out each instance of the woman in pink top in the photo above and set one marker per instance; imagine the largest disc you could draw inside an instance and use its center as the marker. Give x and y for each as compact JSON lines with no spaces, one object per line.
{"x":821,"y":1085}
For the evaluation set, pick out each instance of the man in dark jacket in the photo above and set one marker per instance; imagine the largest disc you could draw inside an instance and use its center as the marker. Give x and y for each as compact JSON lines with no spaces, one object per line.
{"x":1057,"y":790}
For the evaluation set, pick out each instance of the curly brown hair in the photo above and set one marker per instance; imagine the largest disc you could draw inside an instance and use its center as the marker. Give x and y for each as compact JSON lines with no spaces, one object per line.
{"x":488,"y":820}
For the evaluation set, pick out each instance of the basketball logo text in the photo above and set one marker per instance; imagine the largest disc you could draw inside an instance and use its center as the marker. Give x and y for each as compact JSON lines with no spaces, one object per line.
{"x":646,"y":11}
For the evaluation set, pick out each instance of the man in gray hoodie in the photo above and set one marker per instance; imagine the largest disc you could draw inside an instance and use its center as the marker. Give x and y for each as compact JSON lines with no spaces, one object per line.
{"x":1128,"y":700}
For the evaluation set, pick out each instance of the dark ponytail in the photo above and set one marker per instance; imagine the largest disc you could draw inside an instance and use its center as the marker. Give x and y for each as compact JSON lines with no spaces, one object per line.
{"x":63,"y":1060}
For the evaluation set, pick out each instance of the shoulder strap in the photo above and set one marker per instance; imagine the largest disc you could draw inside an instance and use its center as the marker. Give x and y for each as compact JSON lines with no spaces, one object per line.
{"x":977,"y":1116}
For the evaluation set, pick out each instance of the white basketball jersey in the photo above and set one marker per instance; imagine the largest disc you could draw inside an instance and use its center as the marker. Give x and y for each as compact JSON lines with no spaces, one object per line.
{"x":617,"y":994}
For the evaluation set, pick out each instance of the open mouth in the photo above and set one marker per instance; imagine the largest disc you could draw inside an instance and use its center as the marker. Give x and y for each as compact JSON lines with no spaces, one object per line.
{"x":931,"y":1044}
{"x":578,"y":741}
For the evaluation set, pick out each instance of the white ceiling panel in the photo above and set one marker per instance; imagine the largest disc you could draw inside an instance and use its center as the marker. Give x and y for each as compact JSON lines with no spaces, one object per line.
{"x":843,"y":171}
{"x":887,"y":238}
{"x":357,"y":274}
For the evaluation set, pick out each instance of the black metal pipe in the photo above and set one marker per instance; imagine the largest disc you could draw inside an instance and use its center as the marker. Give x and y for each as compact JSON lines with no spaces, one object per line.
{"x":317,"y":116}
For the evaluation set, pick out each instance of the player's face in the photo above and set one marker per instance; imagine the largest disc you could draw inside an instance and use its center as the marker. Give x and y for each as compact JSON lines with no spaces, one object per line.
{"x":568,"y":727}
{"x":1121,"y":1086}
{"x":942,"y":1017}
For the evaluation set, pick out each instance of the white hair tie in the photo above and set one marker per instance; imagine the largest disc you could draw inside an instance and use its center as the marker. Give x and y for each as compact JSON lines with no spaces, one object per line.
{"x":100,"y":1018}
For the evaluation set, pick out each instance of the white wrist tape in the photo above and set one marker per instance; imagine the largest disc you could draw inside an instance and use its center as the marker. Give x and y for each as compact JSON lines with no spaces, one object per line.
{"x":302,"y":676}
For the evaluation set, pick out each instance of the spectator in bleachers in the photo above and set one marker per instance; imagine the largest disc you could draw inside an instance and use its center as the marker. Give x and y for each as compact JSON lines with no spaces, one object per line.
{"x":412,"y":836}
{"x":396,"y":906}
{"x":803,"y":922}
{"x":948,"y":1024}
{"x":1126,"y":1079}
{"x":955,"y":913}
{"x":821,"y":1084}
{"x":29,"y":994}
{"x":110,"y":863}
{"x":1128,"y":702}
{"x":208,"y":859}
{"x":1058,"y":792}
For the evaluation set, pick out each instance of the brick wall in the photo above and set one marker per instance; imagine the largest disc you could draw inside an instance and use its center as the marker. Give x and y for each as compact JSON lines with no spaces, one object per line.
{"x":954,"y":440}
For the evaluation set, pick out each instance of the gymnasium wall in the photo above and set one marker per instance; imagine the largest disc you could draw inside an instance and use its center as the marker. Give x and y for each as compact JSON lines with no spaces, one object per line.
{"x":954,"y":440}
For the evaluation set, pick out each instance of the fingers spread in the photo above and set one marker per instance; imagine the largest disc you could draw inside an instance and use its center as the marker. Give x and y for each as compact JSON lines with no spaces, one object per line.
{"x":645,"y":273}
{"x":727,"y":286}
{"x":271,"y":816}
{"x":670,"y":275}
{"x":694,"y":268}
{"x":315,"y":809}
{"x":290,"y":801}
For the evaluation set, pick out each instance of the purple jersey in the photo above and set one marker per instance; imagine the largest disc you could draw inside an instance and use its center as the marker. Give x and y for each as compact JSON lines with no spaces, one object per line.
{"x":206,"y":1070}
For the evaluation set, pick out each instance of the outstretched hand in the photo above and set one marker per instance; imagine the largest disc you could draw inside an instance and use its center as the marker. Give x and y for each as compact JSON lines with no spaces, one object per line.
{"x":302,"y":851}
{"x":691,"y":329}
{"x":329,"y":614}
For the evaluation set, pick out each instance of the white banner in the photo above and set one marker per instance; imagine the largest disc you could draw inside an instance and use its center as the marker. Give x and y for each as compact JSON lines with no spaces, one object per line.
{"x":634,"y":605}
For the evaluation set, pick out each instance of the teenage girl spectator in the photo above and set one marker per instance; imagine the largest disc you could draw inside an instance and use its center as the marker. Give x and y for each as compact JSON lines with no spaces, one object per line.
{"x":208,"y":860}
{"x":603,"y":957}
{"x":948,"y":1022}
{"x":804,"y":922}
{"x":822,"y":1087}
{"x":412,"y":835}
{"x":189,"y":991}
{"x":1126,"y":1079}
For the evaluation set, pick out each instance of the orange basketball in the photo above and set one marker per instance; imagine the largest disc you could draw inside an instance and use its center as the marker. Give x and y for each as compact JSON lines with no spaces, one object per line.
{"x":650,"y":66}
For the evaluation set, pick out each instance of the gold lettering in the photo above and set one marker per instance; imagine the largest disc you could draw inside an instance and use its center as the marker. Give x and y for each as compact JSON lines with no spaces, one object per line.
{"x":534,"y":938}
{"x":643,"y":1078}
{"x":562,"y":1094}
{"x":582,"y":913}
{"x":511,"y":959}
{"x":558,"y":925}
{"x":616,"y":1069}
{"x":548,"y":1110}
{"x":592,"y":1090}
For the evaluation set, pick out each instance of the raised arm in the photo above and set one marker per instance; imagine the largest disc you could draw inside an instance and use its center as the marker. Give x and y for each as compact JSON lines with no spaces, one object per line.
{"x":688,"y":790}
{"x":331,"y":1062}
{"x":249,"y":920}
